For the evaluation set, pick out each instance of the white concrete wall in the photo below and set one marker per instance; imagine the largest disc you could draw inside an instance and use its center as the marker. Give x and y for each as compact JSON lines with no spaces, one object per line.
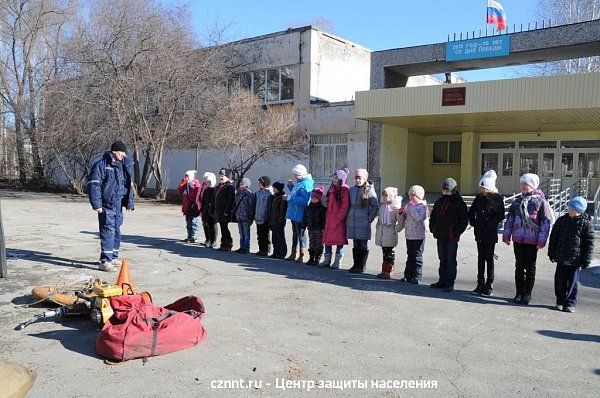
{"x":177,"y":162}
{"x":339,"y":68}
{"x":339,"y":119}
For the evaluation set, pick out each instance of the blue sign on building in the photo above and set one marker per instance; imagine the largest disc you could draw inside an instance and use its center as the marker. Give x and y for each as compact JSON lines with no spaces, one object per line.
{"x":484,"y":47}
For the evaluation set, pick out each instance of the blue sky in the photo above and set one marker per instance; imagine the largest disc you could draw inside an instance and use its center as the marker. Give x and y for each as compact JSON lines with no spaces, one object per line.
{"x":375,"y":24}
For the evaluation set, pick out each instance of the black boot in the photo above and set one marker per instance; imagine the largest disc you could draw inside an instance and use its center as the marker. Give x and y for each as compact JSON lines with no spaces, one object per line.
{"x":317,"y":259}
{"x":488,"y":288}
{"x":437,"y":285}
{"x":355,"y":261}
{"x":479,"y":288}
{"x":361,"y":261}
{"x":311,"y":258}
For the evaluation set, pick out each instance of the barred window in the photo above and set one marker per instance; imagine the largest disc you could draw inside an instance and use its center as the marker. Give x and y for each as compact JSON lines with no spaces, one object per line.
{"x":328,"y":153}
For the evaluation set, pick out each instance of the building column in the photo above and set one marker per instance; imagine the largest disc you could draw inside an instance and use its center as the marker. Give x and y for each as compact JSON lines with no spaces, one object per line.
{"x":469,"y":163}
{"x":394,"y":154}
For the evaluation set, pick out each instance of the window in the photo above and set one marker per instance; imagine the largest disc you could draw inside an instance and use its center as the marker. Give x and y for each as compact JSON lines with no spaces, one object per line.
{"x":507,"y":164}
{"x":259,"y":84}
{"x":567,"y":165}
{"x":498,"y":145}
{"x":588,"y":165}
{"x":271,"y":85}
{"x":489,"y":161}
{"x":537,"y":144}
{"x":548,"y":165}
{"x":246,"y":81}
{"x":529,"y":163}
{"x":287,"y":84}
{"x":446,"y":152}
{"x":580,"y":144}
{"x":328,"y":153}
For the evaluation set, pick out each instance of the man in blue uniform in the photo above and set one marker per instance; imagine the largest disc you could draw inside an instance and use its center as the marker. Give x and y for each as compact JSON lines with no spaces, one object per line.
{"x":110,"y":188}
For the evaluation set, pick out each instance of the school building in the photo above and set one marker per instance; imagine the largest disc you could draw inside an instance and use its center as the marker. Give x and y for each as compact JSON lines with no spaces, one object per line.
{"x":546,"y":125}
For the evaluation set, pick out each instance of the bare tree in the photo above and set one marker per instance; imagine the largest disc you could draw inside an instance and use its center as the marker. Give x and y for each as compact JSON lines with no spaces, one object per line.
{"x":31,"y":35}
{"x":567,"y":12}
{"x":247,"y":133}
{"x":151,"y":73}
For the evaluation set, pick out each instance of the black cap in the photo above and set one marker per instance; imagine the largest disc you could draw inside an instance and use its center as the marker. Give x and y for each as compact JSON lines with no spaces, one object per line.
{"x":225,"y":172}
{"x":278,"y":186}
{"x":118,"y":146}
{"x":265,"y":180}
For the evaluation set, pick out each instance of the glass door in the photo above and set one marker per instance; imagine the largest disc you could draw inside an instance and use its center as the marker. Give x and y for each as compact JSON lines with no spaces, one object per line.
{"x":529,"y":163}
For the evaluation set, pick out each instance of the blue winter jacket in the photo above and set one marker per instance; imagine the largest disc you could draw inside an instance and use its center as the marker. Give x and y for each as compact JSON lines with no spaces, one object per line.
{"x":298,"y":198}
{"x":110,"y":184}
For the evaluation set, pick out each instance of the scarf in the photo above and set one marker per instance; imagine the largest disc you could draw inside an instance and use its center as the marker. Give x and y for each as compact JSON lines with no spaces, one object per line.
{"x":386,"y":216}
{"x":525,"y":216}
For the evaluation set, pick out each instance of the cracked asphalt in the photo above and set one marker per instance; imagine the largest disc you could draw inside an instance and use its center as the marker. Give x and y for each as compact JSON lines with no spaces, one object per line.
{"x":277,"y":322}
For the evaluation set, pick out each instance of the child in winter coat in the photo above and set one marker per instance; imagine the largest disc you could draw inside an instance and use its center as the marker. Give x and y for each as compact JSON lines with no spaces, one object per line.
{"x":190,"y":208}
{"x":485,"y":215}
{"x":222,"y":207}
{"x":314,"y":221}
{"x":527,"y":224}
{"x":364,"y":206}
{"x":298,"y":199}
{"x":447,"y":222}
{"x":261,"y":215}
{"x":277,"y":209}
{"x":338,"y":203}
{"x":571,"y":247}
{"x":386,"y":234}
{"x":208,"y":221}
{"x":412,"y":218}
{"x":244,"y":214}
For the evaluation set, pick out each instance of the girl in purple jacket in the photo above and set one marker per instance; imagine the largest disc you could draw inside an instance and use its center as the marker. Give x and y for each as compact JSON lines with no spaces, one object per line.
{"x":527,"y":225}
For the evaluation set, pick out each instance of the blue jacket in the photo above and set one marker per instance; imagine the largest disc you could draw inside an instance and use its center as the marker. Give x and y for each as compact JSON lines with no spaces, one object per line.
{"x":110,"y":184}
{"x":298,"y":198}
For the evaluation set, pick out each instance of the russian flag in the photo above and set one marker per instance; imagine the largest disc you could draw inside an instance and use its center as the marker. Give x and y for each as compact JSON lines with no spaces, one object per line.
{"x":496,"y":14}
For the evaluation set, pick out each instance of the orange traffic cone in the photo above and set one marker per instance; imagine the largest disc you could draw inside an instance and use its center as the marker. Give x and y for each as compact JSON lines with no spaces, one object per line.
{"x":124,"y":280}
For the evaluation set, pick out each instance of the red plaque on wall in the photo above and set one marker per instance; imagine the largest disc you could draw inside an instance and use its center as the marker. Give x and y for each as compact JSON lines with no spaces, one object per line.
{"x":454,"y":96}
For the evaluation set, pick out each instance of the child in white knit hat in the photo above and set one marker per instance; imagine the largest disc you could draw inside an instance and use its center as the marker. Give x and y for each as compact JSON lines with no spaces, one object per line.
{"x":412,"y":219}
{"x":485,"y":215}
{"x":190,"y":207}
{"x":386,"y":234}
{"x":527,"y":226}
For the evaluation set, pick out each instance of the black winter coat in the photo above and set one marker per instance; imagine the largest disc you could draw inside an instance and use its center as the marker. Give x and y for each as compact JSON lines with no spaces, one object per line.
{"x":205,"y":205}
{"x":223,"y":202}
{"x":314,"y":217}
{"x":572,"y":241}
{"x":485,"y":215}
{"x":448,"y":219}
{"x":277,"y":205}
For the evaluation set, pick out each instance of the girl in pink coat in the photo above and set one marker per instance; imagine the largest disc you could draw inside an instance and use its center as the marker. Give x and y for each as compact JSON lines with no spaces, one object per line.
{"x":338,"y":203}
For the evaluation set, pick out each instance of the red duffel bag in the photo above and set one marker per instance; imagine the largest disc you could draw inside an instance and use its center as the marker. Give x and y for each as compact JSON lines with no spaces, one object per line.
{"x":139,"y":329}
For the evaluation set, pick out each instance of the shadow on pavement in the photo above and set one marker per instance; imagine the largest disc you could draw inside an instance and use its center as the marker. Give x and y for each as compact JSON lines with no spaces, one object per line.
{"x":48,"y":258}
{"x":570,"y":336}
{"x":341,"y":277}
{"x":81,"y":338}
{"x":590,"y":277}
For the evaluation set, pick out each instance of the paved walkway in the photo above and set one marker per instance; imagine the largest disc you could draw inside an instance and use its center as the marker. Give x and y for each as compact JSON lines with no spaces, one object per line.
{"x":271,"y":321}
